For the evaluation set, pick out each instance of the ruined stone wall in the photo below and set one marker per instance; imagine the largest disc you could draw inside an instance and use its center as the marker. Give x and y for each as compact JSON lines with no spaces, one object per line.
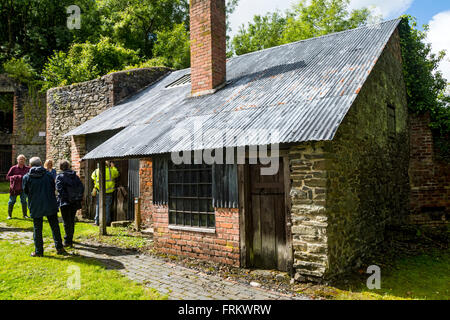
{"x":69,"y":107}
{"x":29,"y":114}
{"x":346,"y":192}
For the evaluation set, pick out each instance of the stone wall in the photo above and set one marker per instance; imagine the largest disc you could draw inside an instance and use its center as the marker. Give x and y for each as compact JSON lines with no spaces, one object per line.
{"x":29,"y":114}
{"x":69,"y":107}
{"x":429,"y":177}
{"x":346,"y":192}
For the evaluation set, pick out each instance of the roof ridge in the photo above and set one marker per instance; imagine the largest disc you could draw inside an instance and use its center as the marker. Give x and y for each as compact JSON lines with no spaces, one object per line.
{"x":319,"y":37}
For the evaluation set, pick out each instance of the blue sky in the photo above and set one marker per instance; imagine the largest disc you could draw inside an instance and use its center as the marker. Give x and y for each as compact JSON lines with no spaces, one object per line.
{"x":433,"y":12}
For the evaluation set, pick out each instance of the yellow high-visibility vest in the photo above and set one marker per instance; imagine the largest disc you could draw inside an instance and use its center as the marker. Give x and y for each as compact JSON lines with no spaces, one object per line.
{"x":111,"y":174}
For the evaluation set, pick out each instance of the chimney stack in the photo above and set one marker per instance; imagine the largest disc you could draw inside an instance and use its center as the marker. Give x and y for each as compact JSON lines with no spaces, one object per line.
{"x":208,"y":46}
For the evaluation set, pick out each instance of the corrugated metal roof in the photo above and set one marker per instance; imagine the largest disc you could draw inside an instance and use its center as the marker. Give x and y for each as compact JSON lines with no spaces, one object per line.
{"x":297,"y":92}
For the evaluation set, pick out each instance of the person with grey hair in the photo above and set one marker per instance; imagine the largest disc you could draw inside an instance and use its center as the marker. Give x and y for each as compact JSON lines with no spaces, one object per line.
{"x":39,"y":186}
{"x":70,"y":194}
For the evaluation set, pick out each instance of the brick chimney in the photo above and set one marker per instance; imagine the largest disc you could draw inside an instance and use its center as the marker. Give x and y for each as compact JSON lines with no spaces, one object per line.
{"x":208,"y":46}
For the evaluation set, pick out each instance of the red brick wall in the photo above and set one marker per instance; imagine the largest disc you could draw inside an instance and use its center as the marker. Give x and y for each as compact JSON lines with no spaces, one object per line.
{"x":78,"y":151}
{"x":221,"y":246}
{"x":208,"y":44}
{"x":429,"y":177}
{"x":146,"y":191}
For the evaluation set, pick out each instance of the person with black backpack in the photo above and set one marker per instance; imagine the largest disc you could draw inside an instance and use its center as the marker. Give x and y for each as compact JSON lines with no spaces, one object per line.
{"x":70,"y":195}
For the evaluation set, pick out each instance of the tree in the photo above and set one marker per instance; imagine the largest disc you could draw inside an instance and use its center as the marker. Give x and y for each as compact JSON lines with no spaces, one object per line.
{"x":135,"y":23}
{"x":174,"y":46}
{"x":87,"y":61}
{"x":306,"y":19}
{"x":35,"y":28}
{"x":265,"y":32}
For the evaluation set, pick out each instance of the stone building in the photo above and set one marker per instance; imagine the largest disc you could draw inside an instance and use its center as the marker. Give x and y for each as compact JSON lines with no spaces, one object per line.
{"x":22,"y":122}
{"x":328,"y":114}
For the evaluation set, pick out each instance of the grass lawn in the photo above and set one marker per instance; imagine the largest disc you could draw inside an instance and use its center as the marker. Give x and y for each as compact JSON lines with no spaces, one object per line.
{"x":421,"y":277}
{"x":24,"y":277}
{"x":4,"y":187}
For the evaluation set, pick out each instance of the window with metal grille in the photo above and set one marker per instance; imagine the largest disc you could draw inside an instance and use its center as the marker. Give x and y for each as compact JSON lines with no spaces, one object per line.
{"x":190,"y":196}
{"x":391,"y":121}
{"x":186,"y":79}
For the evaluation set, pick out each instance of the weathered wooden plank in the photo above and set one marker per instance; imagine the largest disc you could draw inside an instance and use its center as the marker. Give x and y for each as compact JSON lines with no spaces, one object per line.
{"x":256,"y":231}
{"x":268,"y":236}
{"x":242,"y":215}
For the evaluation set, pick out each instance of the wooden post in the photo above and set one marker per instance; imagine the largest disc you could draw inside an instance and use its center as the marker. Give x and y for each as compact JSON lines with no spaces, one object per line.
{"x":137,"y":213}
{"x":102,"y":200}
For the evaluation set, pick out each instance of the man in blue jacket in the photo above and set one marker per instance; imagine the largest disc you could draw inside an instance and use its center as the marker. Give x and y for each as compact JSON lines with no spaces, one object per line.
{"x":39,"y":187}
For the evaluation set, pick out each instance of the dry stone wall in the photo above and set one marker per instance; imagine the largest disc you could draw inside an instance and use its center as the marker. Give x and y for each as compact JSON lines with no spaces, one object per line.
{"x":70,"y":106}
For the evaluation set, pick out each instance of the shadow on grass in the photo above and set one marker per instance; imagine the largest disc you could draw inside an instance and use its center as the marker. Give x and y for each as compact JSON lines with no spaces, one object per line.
{"x":109,"y":264}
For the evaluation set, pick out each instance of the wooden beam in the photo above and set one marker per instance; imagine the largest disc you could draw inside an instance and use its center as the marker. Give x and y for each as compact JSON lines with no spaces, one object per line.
{"x":242,"y":213}
{"x":102,"y":200}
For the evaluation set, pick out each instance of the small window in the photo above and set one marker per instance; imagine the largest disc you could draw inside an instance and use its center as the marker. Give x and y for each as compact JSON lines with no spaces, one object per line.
{"x":391,"y":121}
{"x":184,"y":80}
{"x":190,"y":196}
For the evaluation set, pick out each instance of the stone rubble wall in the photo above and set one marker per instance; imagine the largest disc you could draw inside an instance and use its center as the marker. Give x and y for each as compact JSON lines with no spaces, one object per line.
{"x":28,"y":120}
{"x":346,"y":192}
{"x":70,"y":106}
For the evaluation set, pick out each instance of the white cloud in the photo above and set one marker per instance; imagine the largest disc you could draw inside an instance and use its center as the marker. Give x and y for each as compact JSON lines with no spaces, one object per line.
{"x":439,"y":38}
{"x":386,"y":8}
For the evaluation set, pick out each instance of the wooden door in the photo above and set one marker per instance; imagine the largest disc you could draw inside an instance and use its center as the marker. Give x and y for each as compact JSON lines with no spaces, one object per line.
{"x":267,"y":221}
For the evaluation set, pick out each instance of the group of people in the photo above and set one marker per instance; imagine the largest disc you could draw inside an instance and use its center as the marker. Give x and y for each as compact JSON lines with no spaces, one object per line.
{"x":47,"y":193}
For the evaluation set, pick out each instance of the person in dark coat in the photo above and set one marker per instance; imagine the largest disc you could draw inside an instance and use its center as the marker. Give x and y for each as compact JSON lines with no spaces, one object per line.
{"x":14,"y":176}
{"x":70,"y":194}
{"x":39,"y":186}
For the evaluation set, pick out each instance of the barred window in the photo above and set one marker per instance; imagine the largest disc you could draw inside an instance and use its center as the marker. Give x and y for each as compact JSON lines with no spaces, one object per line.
{"x":190,"y":196}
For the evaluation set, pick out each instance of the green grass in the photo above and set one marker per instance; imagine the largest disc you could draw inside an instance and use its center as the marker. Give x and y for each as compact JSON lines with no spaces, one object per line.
{"x":419,"y":277}
{"x":4,"y":187}
{"x":24,"y":277}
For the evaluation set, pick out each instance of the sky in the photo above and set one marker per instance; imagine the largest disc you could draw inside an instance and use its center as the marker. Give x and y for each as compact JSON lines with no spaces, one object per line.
{"x":436,"y":13}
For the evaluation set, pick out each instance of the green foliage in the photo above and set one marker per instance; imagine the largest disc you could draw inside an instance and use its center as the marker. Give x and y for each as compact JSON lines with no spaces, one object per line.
{"x":87,"y":61}
{"x":135,"y":23}
{"x":425,"y":85}
{"x":306,"y":19}
{"x":174,"y":46}
{"x":321,"y":17}
{"x":264,"y":32}
{"x":19,"y":69}
{"x":35,"y":28}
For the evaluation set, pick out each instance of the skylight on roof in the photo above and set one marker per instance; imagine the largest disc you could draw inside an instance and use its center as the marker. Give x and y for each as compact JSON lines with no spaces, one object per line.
{"x":184,"y":80}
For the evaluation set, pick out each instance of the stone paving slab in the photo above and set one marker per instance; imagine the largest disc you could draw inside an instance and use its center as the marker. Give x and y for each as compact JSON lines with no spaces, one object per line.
{"x":178,"y":282}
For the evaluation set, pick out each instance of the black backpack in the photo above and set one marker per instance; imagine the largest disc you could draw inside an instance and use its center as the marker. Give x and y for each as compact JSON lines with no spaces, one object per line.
{"x":75,"y":190}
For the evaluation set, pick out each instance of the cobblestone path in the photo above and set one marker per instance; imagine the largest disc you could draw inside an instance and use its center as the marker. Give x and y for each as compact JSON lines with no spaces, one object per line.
{"x":178,"y":282}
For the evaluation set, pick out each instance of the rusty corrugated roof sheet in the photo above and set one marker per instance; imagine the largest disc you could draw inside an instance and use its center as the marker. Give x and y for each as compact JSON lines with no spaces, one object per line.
{"x":292,"y":93}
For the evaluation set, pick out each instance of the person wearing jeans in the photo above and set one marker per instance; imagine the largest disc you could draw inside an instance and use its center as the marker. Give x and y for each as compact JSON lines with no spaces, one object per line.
{"x":111,"y":173}
{"x":15,"y":176}
{"x":108,"y":203}
{"x":70,"y":194}
{"x":39,"y":186}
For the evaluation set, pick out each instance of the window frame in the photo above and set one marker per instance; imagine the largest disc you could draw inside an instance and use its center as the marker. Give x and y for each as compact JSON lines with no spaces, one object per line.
{"x":190,"y":197}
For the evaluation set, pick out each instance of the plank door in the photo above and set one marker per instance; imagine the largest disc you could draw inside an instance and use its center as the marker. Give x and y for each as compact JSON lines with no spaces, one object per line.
{"x":267,"y":220}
